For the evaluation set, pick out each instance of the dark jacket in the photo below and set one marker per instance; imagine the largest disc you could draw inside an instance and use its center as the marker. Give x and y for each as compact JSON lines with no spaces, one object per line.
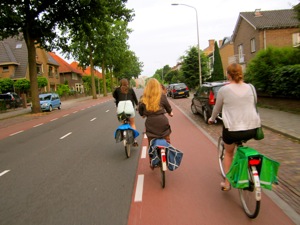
{"x":119,"y":96}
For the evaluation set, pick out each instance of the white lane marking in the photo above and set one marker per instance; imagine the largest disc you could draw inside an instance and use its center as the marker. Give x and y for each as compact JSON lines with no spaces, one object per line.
{"x":144,"y":151}
{"x":93,"y":119}
{"x":107,"y":111}
{"x":54,"y":119}
{"x":75,"y":111}
{"x":66,"y":135}
{"x":16,"y":133}
{"x":4,"y":172}
{"x":38,"y":125}
{"x":82,"y":109}
{"x":145,"y":136}
{"x":139,"y":188}
{"x":66,"y":115}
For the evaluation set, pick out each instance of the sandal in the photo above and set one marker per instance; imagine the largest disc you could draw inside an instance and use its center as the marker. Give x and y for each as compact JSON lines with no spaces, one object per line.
{"x":225,"y":187}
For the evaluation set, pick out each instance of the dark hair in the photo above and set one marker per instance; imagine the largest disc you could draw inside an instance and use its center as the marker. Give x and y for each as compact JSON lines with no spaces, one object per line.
{"x":124,"y":85}
{"x":235,"y":71}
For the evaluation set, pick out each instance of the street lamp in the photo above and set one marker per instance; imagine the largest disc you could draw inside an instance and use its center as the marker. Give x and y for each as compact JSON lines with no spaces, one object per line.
{"x":199,"y":59}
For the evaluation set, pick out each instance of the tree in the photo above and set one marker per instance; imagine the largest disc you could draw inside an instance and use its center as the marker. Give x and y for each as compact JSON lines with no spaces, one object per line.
{"x":42,"y":82}
{"x":23,"y":85}
{"x":39,"y":21}
{"x":190,"y":67}
{"x":217,"y":73}
{"x":6,"y":85}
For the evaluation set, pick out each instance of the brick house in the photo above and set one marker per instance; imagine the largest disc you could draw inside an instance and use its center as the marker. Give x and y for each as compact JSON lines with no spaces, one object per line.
{"x":260,"y":29}
{"x":226,"y":51}
{"x":14,"y":63}
{"x":69,"y":74}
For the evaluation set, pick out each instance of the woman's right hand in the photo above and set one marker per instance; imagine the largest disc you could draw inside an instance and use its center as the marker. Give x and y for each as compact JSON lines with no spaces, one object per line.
{"x":210,"y":121}
{"x":171,"y":114}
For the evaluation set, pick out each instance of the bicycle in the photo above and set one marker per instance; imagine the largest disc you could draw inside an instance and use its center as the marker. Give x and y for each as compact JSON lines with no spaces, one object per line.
{"x":158,"y":158}
{"x":127,"y":135}
{"x":250,"y":196}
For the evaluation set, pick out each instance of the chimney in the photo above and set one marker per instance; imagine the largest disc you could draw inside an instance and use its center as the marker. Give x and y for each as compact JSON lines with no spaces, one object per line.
{"x":257,"y":13}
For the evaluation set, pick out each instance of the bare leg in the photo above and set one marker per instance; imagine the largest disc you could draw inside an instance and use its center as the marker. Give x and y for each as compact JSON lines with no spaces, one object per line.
{"x":228,"y":159}
{"x":132,"y":123}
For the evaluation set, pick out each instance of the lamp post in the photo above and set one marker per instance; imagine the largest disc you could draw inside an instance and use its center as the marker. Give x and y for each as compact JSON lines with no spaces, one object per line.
{"x":199,"y":59}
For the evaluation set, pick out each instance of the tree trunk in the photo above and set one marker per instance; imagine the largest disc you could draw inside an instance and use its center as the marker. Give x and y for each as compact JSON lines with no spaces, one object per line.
{"x":36,"y":108}
{"x":104,"y":78}
{"x":92,"y":74}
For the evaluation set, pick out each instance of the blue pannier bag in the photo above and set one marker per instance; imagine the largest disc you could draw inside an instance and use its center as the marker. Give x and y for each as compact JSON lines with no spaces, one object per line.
{"x":174,"y":156}
{"x":131,"y":133}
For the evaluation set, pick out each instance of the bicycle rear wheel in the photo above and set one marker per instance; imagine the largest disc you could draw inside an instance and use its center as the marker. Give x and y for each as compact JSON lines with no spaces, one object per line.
{"x":126,"y":145}
{"x":250,"y":204}
{"x":221,"y":154}
{"x":163,"y":177}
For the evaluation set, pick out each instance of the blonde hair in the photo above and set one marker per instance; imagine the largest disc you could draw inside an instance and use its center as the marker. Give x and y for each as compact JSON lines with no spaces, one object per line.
{"x":235,"y":71}
{"x":152,"y":95}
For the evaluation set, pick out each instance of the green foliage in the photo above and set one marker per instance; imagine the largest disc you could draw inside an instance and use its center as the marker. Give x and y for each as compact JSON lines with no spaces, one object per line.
{"x":63,"y":90}
{"x":218,"y":73}
{"x":23,"y":85}
{"x":190,"y":67}
{"x":263,"y":71}
{"x":6,"y":85}
{"x":42,"y":82}
{"x":286,"y":81}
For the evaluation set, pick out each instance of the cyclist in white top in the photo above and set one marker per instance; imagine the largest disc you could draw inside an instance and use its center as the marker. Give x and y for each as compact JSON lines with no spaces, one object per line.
{"x":240,"y":118}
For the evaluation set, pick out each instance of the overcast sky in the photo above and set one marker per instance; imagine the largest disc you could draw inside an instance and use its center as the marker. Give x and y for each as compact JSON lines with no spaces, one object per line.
{"x":162,"y":32}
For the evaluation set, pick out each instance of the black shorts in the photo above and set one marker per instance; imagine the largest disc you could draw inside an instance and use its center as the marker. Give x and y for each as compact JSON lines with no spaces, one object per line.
{"x":230,"y":137}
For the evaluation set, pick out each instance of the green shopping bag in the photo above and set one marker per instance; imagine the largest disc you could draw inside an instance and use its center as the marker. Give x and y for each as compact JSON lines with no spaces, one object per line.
{"x":238,"y":173}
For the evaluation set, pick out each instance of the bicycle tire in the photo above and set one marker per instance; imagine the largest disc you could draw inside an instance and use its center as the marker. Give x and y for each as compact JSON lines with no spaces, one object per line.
{"x":221,"y":154}
{"x":127,"y":150}
{"x":163,"y":177}
{"x":250,"y":205}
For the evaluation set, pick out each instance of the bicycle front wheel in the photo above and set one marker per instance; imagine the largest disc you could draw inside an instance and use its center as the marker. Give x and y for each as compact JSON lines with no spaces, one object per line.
{"x":221,"y":155}
{"x":250,"y":204}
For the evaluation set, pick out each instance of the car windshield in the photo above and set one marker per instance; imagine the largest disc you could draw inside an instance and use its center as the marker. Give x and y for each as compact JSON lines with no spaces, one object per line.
{"x":216,"y":90}
{"x":44,"y":98}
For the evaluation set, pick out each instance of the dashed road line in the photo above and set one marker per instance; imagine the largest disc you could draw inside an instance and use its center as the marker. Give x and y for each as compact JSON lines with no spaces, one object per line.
{"x":66,"y":115}
{"x":66,"y":135}
{"x":139,"y":188}
{"x":144,"y":152}
{"x":4,"y":172}
{"x":54,"y":119}
{"x":16,"y":133}
{"x":93,"y":119}
{"x":38,"y":125}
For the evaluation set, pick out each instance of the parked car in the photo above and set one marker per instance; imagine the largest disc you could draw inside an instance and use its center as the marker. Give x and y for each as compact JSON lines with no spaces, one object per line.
{"x":10,"y":100}
{"x":49,"y":101}
{"x":178,"y":90}
{"x":205,"y":98}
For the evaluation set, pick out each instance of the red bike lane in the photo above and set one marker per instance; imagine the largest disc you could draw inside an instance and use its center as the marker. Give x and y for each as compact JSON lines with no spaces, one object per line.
{"x":192,"y":194}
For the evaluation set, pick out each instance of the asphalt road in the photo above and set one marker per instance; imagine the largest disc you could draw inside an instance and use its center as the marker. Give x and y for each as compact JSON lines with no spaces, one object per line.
{"x":67,"y":169}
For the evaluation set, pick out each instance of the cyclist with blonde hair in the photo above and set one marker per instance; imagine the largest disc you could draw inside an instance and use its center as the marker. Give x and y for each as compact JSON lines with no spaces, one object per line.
{"x":153,"y":105}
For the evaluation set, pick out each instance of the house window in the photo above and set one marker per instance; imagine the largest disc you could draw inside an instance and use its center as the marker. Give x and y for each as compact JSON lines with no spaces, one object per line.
{"x":5,"y":69}
{"x":252,"y":43}
{"x":39,"y":69}
{"x":19,"y":45}
{"x":56,"y":72}
{"x":241,"y":54}
{"x":50,"y":71}
{"x":74,"y":76}
{"x":296,"y":39}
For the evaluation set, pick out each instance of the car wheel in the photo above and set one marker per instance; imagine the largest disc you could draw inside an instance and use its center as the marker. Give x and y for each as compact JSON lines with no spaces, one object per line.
{"x":205,"y":116}
{"x":193,"y":108}
{"x":50,"y":108}
{"x":59,"y":107}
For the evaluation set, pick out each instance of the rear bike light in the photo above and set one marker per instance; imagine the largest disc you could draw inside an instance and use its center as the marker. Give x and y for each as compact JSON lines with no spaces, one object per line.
{"x":254,"y":162}
{"x":211,"y":98}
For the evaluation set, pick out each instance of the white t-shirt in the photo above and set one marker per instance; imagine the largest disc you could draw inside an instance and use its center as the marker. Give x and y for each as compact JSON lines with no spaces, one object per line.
{"x":237,"y":103}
